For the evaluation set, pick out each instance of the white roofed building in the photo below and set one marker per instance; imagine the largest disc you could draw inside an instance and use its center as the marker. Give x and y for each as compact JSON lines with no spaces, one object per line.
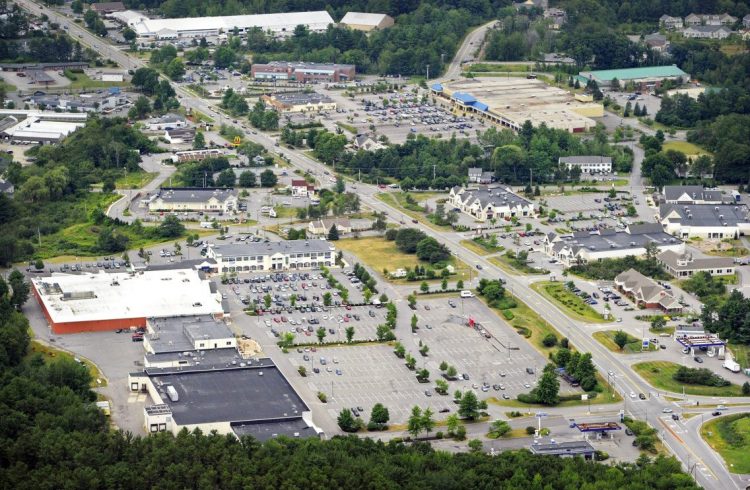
{"x":361,"y":21}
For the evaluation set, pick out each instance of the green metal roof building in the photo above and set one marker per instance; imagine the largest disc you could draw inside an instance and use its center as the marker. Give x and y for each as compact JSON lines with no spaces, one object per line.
{"x":649,"y":75}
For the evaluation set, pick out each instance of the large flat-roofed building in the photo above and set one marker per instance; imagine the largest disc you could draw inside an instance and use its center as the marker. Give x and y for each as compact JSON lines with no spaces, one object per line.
{"x":280,"y":24}
{"x":75,"y":303}
{"x":511,"y":102}
{"x":361,"y":21}
{"x":273,"y":256}
{"x":303,"y":72}
{"x":682,"y":265}
{"x":582,"y":246}
{"x":107,"y":7}
{"x":166,"y":335}
{"x":705,"y":220}
{"x":645,"y":76}
{"x":487,"y":203}
{"x":196,"y":199}
{"x":589,"y":164}
{"x":224,"y":394}
{"x":300,"y":102}
{"x":571,"y":449}
{"x":41,"y":127}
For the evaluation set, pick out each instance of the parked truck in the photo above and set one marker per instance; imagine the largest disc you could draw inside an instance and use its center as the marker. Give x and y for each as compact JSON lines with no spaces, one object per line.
{"x":732,"y":365}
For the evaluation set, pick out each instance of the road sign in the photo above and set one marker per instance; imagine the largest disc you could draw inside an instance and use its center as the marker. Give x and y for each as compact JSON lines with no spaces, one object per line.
{"x":237,"y":141}
{"x":541,"y":414}
{"x":584,"y":396}
{"x":645,"y":343}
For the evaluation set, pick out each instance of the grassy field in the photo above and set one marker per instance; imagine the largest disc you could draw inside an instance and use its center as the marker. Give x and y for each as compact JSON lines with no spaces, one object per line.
{"x":506,"y":264}
{"x":7,"y":86}
{"x":569,"y":303}
{"x":659,"y":375}
{"x":81,"y":81}
{"x":480,"y":249}
{"x":603,"y":398}
{"x":736,"y":453}
{"x":135,"y":180}
{"x":606,"y":338}
{"x":741,"y":354}
{"x":378,"y":253}
{"x":97,"y":378}
{"x":491,"y":67}
{"x":727,"y":248}
{"x":347,"y":127}
{"x":685,"y":147}
{"x":398,"y":200}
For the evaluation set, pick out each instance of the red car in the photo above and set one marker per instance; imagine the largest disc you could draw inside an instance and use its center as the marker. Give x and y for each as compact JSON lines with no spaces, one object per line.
{"x":348,"y":307}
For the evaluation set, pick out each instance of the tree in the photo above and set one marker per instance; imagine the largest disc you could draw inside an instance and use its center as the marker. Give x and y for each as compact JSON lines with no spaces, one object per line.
{"x":379,"y":415}
{"x":452,"y":372}
{"x":423,"y":375}
{"x":410,"y":361}
{"x":469,"y":406}
{"x":268,"y":178}
{"x":340,"y":186}
{"x":347,"y":422}
{"x":39,"y":264}
{"x":658,"y":322}
{"x":333,"y":233}
{"x":452,"y":423}
{"x":247,"y":179}
{"x":414,"y":424}
{"x":424,"y":287}
{"x":267,"y":300}
{"x":546,"y":390}
{"x":287,"y":340}
{"x":427,"y":422}
{"x":746,"y":388}
{"x":460,"y":284}
{"x":199,"y":142}
{"x":321,"y":334}
{"x":175,"y":69}
{"x":327,"y":299}
{"x":549,"y":340}
{"x":443,"y":366}
{"x":170,"y":227}
{"x":399,"y":350}
{"x":498,"y":428}
{"x":475,"y":445}
{"x":349,"y":333}
{"x":413,"y":322}
{"x":226,"y":178}
{"x":621,"y":339}
{"x":444,"y":284}
{"x":19,"y":287}
{"x":129,"y":34}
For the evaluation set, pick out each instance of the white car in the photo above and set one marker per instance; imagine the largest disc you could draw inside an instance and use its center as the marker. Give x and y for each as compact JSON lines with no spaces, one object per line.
{"x":632,"y":395}
{"x":666,"y":410}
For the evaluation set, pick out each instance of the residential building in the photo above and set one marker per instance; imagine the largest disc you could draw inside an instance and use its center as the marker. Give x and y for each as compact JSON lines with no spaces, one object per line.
{"x":657,"y":42}
{"x":302,"y":188}
{"x":167,"y":121}
{"x":85,"y":302}
{"x":479,"y":176}
{"x":193,"y":199}
{"x":644,"y":77}
{"x":488,"y":203}
{"x":582,"y":247}
{"x":180,"y":135}
{"x":710,"y":20}
{"x":303,"y":72}
{"x":104,"y":8}
{"x":321,"y":227}
{"x":670,"y":22}
{"x":707,"y":32}
{"x":646,"y":292}
{"x":693,"y":194}
{"x":589,"y":164}
{"x":272,"y":256}
{"x":705,"y":220}
{"x":571,"y":449}
{"x":7,"y":187}
{"x":300,"y":102}
{"x":360,"y":21}
{"x":280,"y":25}
{"x":746,"y":21}
{"x":682,"y":265}
{"x":368,"y":143}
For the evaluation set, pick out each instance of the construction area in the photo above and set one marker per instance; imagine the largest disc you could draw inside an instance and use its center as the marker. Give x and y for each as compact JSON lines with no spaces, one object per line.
{"x":512,"y":101}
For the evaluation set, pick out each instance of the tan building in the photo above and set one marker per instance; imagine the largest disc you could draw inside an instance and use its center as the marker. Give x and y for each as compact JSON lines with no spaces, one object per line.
{"x":360,"y":21}
{"x":193,"y":199}
{"x":300,"y":102}
{"x":321,"y":227}
{"x":682,"y":265}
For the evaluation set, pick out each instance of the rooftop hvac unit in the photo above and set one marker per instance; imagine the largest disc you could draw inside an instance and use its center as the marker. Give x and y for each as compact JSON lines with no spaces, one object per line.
{"x":172,"y":393}
{"x":260,"y":373}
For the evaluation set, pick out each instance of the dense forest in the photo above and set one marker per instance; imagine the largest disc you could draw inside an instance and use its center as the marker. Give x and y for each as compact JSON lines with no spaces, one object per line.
{"x":52,"y":436}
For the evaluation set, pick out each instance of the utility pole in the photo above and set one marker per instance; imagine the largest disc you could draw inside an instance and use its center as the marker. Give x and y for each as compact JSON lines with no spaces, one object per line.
{"x":428,"y":72}
{"x":433,"y":171}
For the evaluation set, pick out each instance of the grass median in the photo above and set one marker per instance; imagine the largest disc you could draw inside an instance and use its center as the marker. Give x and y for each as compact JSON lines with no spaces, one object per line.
{"x":730,"y":437}
{"x":568,"y":302}
{"x":633,"y":345}
{"x":659,"y":375}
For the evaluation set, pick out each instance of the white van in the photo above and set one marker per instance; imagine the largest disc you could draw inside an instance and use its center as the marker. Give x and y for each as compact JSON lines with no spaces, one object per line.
{"x":467,"y":294}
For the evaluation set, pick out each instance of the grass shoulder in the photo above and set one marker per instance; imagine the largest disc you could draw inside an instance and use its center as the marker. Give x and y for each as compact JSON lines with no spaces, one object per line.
{"x":633,"y":345}
{"x":568,"y":302}
{"x":730,"y":437}
{"x":511,"y":266}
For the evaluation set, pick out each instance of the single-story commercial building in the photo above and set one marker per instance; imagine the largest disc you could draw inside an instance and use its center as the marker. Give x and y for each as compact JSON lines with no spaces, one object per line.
{"x":107,"y":7}
{"x":705,"y":220}
{"x":303,"y":72}
{"x":682,"y":265}
{"x":302,"y":188}
{"x":167,"y":121}
{"x":646,"y":292}
{"x":300,"y":102}
{"x":195,"y":155}
{"x":693,"y":194}
{"x":569,"y":449}
{"x":589,"y":164}
{"x":39,"y":127}
{"x":196,"y":199}
{"x":180,"y":135}
{"x":645,"y":76}
{"x":272,"y":256}
{"x":582,"y":247}
{"x":487,"y":203}
{"x":366,"y":22}
{"x":321,"y":227}
{"x":75,"y":303}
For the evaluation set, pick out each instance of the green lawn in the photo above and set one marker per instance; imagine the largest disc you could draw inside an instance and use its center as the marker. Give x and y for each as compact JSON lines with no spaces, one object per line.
{"x":741,"y":354}
{"x":398,"y":200}
{"x":606,"y":338}
{"x":688,"y":149}
{"x":601,"y":399}
{"x":509,"y":266}
{"x":659,"y":375}
{"x":569,"y":303}
{"x":51,"y":352}
{"x":481,"y":249}
{"x":135,"y":180}
{"x":481,"y":68}
{"x":82,"y":81}
{"x":347,"y":127}
{"x":730,"y":437}
{"x":378,"y":253}
{"x":7,"y":86}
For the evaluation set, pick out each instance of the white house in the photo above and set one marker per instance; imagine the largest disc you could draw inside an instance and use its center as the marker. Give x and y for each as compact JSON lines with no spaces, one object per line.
{"x":491,"y":203}
{"x":707,"y":32}
{"x":589,"y":164}
{"x":302,"y":188}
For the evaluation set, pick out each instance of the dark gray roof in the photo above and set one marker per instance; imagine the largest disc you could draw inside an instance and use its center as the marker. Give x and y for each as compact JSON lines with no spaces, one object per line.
{"x":268,"y":429}
{"x":297,"y":98}
{"x":706,"y":214}
{"x":303,"y":66}
{"x":563,"y":448}
{"x":708,"y":28}
{"x":585,"y":159}
{"x":194,"y":194}
{"x":475,"y":171}
{"x":634,"y":237}
{"x":687,"y":262}
{"x":178,"y":334}
{"x":243,"y":394}
{"x":694,"y":192}
{"x":217,"y":357}
{"x":271,"y":248}
{"x":497,"y":196}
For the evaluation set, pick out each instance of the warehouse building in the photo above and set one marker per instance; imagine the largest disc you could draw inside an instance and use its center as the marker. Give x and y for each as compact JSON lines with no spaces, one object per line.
{"x":272,"y":256}
{"x":511,"y":102}
{"x":303,"y":72}
{"x":582,"y":246}
{"x":705,"y":220}
{"x":280,"y":24}
{"x":486,"y":203}
{"x":195,"y":199}
{"x":645,"y":77}
{"x":75,"y":303}
{"x":299,"y":102}
{"x":40,"y":127}
{"x":590,"y":164}
{"x":360,"y":21}
{"x":177,"y":334}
